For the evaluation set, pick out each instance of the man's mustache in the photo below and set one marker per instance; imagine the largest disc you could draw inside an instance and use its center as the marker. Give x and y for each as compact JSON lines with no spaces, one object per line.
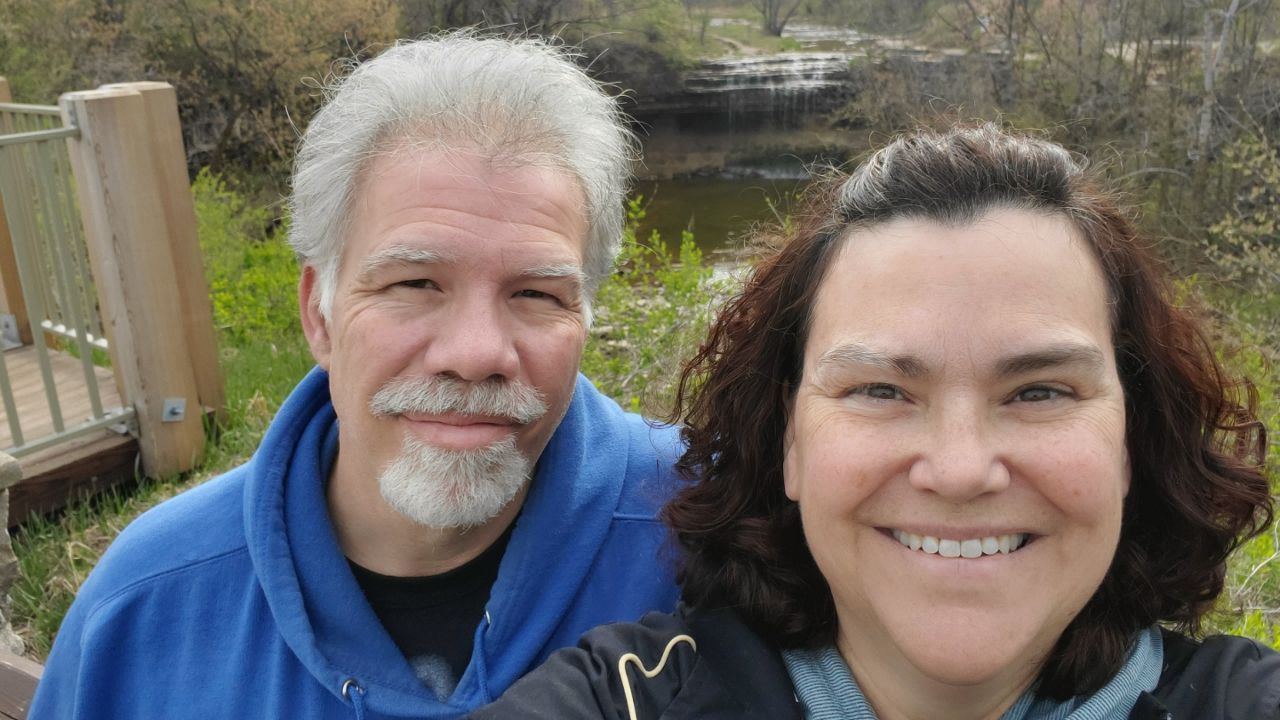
{"x":436,"y":395}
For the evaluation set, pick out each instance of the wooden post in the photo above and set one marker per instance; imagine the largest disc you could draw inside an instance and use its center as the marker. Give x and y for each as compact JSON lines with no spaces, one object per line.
{"x":170,"y":169}
{"x":133,"y":268}
{"x":11,"y":300}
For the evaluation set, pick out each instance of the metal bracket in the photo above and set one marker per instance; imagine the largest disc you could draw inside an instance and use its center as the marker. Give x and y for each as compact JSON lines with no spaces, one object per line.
{"x":128,"y":424}
{"x":175,"y":410}
{"x":70,"y":109}
{"x":9,"y":338}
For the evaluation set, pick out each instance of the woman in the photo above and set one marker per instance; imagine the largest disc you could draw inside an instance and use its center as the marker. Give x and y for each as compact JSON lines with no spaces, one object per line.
{"x":957,"y":454}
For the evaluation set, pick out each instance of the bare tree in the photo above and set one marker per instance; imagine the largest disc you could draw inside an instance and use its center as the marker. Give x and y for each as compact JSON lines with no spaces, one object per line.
{"x":777,"y":13}
{"x":1212,"y":57}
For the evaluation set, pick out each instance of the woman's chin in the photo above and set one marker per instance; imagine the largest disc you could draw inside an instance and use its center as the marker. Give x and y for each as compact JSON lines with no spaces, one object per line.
{"x":972,"y":651}
{"x":975,"y":669}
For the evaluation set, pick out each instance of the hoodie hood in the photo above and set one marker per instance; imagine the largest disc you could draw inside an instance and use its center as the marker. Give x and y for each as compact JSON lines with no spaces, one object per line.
{"x":322,"y":613}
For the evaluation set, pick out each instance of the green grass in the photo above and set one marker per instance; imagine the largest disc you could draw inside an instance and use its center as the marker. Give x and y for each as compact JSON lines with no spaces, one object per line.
{"x":1250,"y":607}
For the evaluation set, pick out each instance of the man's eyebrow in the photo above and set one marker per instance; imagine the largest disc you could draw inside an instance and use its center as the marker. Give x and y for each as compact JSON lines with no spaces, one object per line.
{"x":399,"y":255}
{"x":568,"y":271}
{"x":854,"y":353}
{"x":1053,"y":356}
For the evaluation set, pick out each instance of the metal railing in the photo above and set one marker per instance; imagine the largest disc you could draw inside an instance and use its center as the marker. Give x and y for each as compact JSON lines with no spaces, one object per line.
{"x":38,"y":193}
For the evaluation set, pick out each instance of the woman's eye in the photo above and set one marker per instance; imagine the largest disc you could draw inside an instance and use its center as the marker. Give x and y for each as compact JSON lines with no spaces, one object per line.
{"x":1039,"y":393}
{"x":878,"y":391}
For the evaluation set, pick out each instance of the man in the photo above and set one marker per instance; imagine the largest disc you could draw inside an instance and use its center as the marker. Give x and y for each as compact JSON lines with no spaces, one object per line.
{"x":443,"y":501}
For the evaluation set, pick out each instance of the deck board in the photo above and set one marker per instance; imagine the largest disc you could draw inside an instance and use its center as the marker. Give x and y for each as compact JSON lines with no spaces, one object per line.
{"x":30,"y":395}
{"x":86,"y":464}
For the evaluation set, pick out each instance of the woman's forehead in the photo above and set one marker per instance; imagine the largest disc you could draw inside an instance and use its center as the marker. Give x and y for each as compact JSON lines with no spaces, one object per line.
{"x":912,"y":284}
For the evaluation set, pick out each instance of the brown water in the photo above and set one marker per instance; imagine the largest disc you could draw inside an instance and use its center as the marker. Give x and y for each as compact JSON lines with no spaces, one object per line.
{"x":719,"y":211}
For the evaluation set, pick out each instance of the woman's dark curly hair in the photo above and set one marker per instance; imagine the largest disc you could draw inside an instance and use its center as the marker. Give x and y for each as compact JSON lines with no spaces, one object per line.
{"x":1196,"y":448}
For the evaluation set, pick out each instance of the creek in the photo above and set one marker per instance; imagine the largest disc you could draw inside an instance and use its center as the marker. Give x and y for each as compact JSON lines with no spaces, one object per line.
{"x":720,"y":210}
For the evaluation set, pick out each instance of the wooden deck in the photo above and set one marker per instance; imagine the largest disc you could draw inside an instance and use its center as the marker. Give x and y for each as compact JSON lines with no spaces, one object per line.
{"x":18,"y":679}
{"x":85,"y":464}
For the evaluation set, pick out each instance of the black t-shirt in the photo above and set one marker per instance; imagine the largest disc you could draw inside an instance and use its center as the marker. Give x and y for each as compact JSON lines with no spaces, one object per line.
{"x":433,"y":619}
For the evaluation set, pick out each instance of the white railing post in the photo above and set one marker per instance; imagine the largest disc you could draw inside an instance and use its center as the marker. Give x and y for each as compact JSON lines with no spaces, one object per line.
{"x":127,"y":232}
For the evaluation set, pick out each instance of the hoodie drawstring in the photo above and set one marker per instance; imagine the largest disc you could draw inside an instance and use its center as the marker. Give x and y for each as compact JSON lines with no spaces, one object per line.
{"x":352,"y":691}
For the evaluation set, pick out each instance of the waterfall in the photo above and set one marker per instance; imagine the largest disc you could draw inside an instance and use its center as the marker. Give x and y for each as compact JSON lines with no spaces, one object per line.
{"x":789,"y":85}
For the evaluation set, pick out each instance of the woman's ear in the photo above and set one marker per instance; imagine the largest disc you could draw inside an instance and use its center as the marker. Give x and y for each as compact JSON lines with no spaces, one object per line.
{"x":790,"y":463}
{"x":1128,"y":471}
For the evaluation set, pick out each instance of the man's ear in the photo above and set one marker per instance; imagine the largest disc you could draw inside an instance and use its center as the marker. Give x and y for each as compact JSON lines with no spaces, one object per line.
{"x":314,"y":324}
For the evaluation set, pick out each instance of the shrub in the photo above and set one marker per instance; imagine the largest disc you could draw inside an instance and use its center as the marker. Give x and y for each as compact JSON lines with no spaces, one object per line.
{"x":1244,"y":287}
{"x":649,"y":317}
{"x":251,"y":270}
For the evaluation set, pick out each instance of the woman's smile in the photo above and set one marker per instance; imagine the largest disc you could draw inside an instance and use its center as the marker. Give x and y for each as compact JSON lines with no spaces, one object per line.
{"x":969,"y":548}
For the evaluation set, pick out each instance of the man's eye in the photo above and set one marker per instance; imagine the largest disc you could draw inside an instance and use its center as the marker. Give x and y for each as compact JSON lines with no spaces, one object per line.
{"x":535,"y":294}
{"x":878,"y":391}
{"x":417,"y":284}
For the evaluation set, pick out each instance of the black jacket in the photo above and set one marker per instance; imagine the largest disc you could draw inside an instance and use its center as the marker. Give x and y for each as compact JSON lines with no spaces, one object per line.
{"x":734,"y":674}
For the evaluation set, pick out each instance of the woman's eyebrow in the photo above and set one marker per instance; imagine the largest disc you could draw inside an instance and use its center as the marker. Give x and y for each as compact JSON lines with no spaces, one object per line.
{"x":1053,"y":356}
{"x":855,"y":353}
{"x":1058,"y":355}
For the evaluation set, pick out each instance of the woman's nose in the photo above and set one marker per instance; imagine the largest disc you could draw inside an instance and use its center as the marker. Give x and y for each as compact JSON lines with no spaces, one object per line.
{"x":960,"y":460}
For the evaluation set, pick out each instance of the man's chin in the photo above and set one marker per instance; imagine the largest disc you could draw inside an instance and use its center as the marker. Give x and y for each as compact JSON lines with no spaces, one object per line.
{"x":445,"y":488}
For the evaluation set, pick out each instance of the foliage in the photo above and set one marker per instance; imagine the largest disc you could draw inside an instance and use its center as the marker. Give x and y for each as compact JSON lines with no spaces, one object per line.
{"x":776,"y":13}
{"x":1252,"y":607}
{"x":239,"y":66}
{"x":649,"y":316}
{"x":48,"y":47}
{"x":1243,"y":285}
{"x":1245,"y":244}
{"x":252,"y":272}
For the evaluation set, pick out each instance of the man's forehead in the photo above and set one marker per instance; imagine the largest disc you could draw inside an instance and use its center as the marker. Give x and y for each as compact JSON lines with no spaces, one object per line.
{"x":457,"y":154}
{"x":452,"y":174}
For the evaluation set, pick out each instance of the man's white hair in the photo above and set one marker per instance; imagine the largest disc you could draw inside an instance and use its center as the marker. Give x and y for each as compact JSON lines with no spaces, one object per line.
{"x":519,"y":101}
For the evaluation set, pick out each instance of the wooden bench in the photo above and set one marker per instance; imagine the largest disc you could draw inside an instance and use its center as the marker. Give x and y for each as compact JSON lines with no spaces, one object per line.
{"x":18,"y":678}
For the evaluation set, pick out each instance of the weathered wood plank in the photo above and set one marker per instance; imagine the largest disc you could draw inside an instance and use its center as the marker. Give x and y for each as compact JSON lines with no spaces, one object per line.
{"x":84,"y":466}
{"x":170,"y":168}
{"x":18,"y":678}
{"x":133,"y":271}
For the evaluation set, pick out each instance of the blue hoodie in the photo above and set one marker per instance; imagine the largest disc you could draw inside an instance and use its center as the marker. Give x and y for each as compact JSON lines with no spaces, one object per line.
{"x":234,"y":600}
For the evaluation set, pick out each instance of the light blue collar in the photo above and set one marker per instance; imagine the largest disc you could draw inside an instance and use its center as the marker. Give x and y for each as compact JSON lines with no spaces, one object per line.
{"x":828,"y":691}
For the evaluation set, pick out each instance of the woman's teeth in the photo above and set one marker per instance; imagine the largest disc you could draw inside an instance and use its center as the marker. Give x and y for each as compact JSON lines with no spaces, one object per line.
{"x":977,"y":547}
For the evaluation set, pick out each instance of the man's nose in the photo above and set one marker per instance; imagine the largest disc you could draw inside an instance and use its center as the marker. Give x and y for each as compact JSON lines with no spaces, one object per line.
{"x":475,"y":342}
{"x":960,"y":460}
